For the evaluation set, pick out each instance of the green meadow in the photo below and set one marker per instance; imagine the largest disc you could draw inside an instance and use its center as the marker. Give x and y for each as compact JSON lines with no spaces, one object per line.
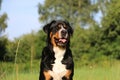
{"x":93,"y":72}
{"x":98,"y":73}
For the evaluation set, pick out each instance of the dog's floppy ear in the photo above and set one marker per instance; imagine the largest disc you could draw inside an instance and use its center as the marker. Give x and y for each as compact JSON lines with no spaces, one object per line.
{"x":70,"y":30}
{"x":46,"y":28}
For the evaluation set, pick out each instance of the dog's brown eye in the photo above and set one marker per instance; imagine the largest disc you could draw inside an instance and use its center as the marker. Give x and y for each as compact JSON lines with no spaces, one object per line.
{"x":58,"y":27}
{"x":65,"y":27}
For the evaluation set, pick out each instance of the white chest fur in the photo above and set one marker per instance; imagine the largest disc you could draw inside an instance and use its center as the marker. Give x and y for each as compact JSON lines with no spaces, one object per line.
{"x":59,"y":69}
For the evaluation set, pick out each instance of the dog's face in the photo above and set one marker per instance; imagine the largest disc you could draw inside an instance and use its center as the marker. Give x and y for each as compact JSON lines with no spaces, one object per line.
{"x":59,"y":32}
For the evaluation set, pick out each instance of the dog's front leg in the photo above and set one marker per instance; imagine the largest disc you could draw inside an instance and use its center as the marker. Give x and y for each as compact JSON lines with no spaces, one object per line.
{"x":47,"y":75}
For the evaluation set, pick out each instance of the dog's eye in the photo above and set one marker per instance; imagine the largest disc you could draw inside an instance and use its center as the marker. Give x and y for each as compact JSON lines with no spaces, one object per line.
{"x":65,"y":27}
{"x":55,"y":29}
{"x":58,"y":27}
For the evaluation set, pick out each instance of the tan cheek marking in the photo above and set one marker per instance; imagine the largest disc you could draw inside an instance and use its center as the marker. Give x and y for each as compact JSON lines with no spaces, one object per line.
{"x":47,"y":75}
{"x":52,"y":38}
{"x":67,"y":75}
{"x":56,"y":35}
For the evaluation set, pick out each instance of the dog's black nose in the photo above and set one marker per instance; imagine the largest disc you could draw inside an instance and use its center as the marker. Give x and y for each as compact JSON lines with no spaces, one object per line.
{"x":63,"y":32}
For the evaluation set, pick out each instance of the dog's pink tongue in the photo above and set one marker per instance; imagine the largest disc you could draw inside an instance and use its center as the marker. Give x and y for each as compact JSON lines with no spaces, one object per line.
{"x":63,"y":40}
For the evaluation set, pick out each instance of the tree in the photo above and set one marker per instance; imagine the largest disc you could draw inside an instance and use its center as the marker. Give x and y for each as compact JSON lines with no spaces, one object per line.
{"x":3,"y":51}
{"x":40,"y":43}
{"x":3,"y":24}
{"x":110,"y":31}
{"x":75,"y":11}
{"x":3,"y":39}
{"x":30,"y":47}
{"x":111,"y":22}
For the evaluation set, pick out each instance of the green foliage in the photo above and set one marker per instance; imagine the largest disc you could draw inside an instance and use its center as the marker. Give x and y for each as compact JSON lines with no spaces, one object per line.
{"x":3,"y":18}
{"x":110,"y":32}
{"x":11,"y":47}
{"x":79,"y":42}
{"x":40,"y":43}
{"x":3,"y":50}
{"x":30,"y":46}
{"x":74,"y":11}
{"x":24,"y":51}
{"x":3,"y":24}
{"x":3,"y":39}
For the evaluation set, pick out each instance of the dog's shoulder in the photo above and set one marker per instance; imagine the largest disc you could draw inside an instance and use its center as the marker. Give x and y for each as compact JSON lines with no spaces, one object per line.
{"x":68,"y":59}
{"x":46,"y":50}
{"x":68,"y":52}
{"x":47,"y":54}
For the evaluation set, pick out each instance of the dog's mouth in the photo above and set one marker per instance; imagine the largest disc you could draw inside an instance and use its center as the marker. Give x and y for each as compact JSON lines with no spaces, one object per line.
{"x":61,"y":41}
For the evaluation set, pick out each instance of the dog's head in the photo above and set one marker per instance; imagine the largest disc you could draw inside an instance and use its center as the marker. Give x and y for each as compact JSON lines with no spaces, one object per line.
{"x":58,"y":32}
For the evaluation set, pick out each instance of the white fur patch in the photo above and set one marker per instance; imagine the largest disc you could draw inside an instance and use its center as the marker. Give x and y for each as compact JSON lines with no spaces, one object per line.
{"x":59,"y":69}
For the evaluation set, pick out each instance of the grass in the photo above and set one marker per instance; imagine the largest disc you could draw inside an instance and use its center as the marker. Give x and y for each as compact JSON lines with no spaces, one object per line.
{"x":82,"y":73}
{"x":21,"y":76}
{"x":104,"y":71}
{"x":99,"y":73}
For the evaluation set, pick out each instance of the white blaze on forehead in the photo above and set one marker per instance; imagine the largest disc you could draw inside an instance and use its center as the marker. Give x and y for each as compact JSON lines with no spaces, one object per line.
{"x":61,"y":29}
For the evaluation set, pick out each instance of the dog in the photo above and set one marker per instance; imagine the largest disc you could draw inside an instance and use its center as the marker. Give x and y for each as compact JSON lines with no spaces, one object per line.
{"x":56,"y":60}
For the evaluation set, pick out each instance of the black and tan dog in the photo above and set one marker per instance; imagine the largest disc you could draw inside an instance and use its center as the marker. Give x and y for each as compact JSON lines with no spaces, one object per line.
{"x":57,"y":62}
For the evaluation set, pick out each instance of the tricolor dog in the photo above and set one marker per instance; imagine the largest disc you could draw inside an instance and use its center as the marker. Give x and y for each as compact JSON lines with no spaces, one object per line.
{"x":57,"y":62}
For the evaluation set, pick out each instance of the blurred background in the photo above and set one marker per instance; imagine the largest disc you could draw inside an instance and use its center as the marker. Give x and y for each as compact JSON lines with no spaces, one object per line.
{"x":95,"y":42}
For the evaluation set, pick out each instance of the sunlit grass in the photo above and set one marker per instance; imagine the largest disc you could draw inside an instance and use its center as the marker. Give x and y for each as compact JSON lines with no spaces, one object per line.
{"x":105,"y":71}
{"x":99,"y":73}
{"x":21,"y":76}
{"x":83,"y":73}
